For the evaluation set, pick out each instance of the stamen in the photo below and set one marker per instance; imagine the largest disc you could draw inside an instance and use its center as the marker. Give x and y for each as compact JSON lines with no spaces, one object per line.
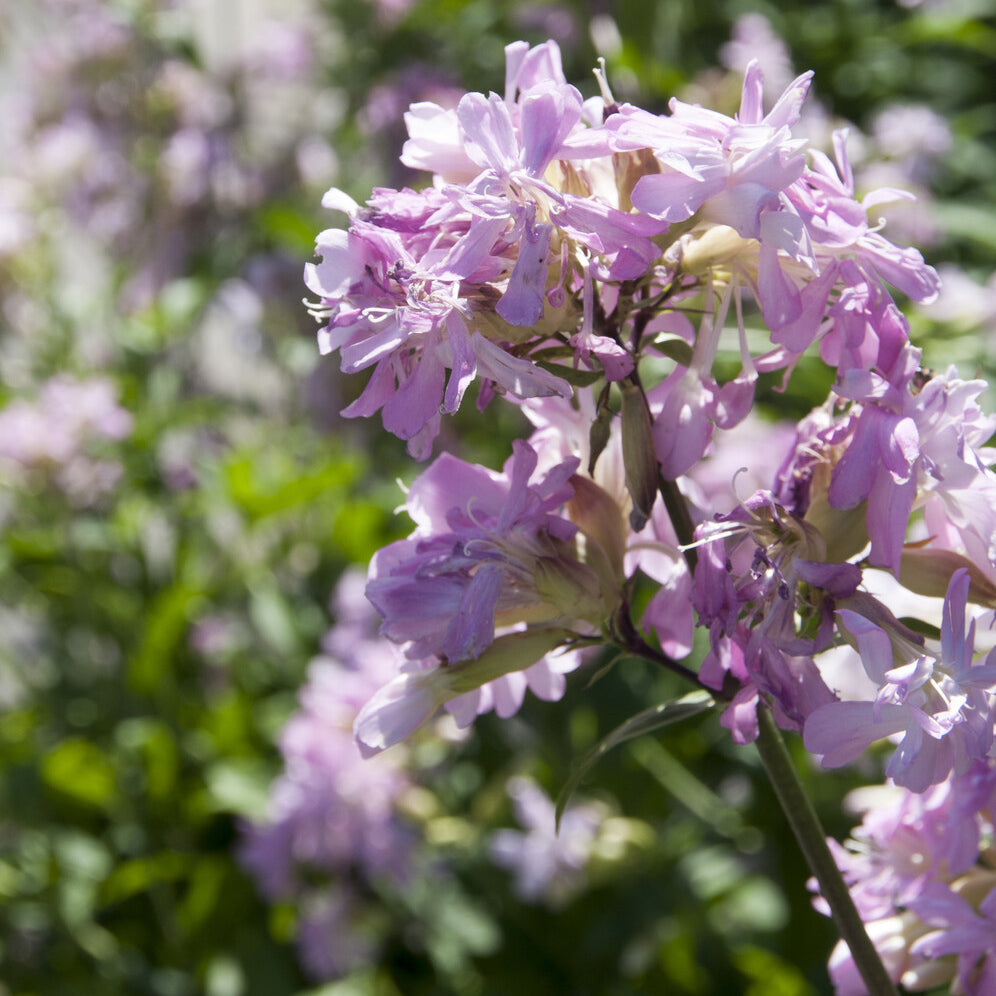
{"x":603,"y":86}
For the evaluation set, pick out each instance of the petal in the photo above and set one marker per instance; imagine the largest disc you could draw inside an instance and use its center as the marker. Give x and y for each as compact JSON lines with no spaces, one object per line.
{"x":490,"y":134}
{"x":417,"y":399}
{"x":472,"y":628}
{"x":343,"y":264}
{"x":840,"y":731}
{"x":395,"y":712}
{"x":524,"y":299}
{"x":520,"y":377}
{"x":751,"y":98}
{"x":546,"y":116}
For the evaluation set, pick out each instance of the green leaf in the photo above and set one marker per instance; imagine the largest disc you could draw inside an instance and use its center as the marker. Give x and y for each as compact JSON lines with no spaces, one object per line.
{"x":550,"y":353}
{"x":80,"y":770}
{"x":919,"y":626}
{"x":289,"y":228}
{"x":968,"y":221}
{"x":273,"y":615}
{"x":769,"y":974}
{"x":239,"y":785}
{"x":166,"y":622}
{"x":598,"y":436}
{"x":605,"y":668}
{"x":137,"y":875}
{"x":647,"y":721}
{"x":573,"y":376}
{"x":282,"y":485}
{"x":674,"y":348}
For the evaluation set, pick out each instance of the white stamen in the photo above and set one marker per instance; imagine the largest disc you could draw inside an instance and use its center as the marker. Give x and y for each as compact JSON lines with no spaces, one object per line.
{"x":603,"y":82}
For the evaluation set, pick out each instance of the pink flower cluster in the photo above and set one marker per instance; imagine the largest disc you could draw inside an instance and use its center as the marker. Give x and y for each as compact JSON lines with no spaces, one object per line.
{"x":922,"y":875}
{"x":334,"y":827}
{"x":562,"y":228}
{"x":588,"y":261}
{"x":56,"y":435}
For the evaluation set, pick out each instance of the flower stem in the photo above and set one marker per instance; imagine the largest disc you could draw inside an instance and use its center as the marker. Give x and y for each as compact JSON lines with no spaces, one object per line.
{"x":809,"y":833}
{"x":677,"y":509}
{"x":627,"y":638}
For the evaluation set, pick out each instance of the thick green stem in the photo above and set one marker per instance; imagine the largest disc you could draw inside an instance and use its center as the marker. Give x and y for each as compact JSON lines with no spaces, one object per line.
{"x":677,"y":509}
{"x":809,"y":833}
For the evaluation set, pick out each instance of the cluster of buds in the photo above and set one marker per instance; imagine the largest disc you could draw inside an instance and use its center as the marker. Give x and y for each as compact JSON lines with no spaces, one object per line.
{"x":583,"y":259}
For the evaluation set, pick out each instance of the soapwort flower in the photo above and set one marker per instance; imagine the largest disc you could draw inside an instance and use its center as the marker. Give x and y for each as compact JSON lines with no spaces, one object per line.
{"x":589,"y":261}
{"x":494,"y":579}
{"x":938,"y":704}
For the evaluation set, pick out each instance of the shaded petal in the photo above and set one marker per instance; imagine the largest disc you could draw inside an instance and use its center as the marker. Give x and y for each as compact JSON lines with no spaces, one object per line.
{"x":547,"y":115}
{"x":788,"y":107}
{"x":417,"y":399}
{"x":395,"y":712}
{"x":487,"y":125}
{"x":524,"y":299}
{"x":840,"y":731}
{"x":521,"y":377}
{"x":472,"y":629}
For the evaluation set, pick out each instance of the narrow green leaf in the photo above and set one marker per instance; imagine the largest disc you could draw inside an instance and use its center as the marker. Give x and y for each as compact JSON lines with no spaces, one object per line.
{"x":602,"y":671}
{"x":573,"y":375}
{"x":921,"y":627}
{"x":598,"y":436}
{"x":549,"y":353}
{"x":166,"y":622}
{"x":674,"y":348}
{"x":647,"y":721}
{"x":639,"y":456}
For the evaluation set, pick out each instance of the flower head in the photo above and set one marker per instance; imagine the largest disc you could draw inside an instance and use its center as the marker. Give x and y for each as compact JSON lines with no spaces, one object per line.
{"x":493,"y":579}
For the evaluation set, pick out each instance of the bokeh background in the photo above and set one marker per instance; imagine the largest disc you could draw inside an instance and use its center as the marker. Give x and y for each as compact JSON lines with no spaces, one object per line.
{"x":184,"y":518}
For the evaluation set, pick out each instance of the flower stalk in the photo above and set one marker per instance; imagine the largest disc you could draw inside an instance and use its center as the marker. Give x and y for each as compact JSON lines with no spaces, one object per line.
{"x":809,"y":833}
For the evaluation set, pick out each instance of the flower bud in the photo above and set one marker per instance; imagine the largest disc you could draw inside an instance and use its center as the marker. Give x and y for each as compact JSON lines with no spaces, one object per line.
{"x":928,"y":571}
{"x":602,"y":538}
{"x":630,"y":167}
{"x":639,"y":455}
{"x":716,"y":246}
{"x":512,"y":652}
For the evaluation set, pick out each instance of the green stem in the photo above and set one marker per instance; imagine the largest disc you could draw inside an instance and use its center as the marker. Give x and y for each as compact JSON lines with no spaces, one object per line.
{"x":809,"y":833}
{"x":627,"y":637}
{"x":677,"y":509}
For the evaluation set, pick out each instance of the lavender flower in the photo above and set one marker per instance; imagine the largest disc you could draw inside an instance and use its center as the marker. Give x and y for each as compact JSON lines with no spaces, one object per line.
{"x":908,"y":441}
{"x":922,"y":878}
{"x":334,"y":820}
{"x":55,"y":435}
{"x":584,"y":259}
{"x":939,"y":705}
{"x":473,"y":275}
{"x":754,"y":38}
{"x":548,"y":861}
{"x":563,"y":431}
{"x":914,"y":135}
{"x":490,"y":583}
{"x":541,"y":206}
